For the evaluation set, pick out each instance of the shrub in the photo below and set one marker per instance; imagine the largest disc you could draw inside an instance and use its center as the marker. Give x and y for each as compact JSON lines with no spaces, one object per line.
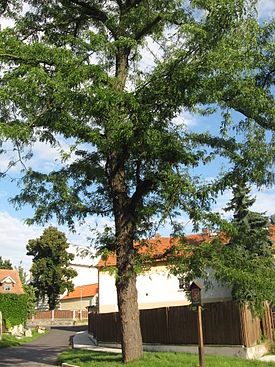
{"x":14,"y":309}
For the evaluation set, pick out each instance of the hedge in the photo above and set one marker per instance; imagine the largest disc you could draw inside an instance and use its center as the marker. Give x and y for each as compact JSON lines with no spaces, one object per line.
{"x":14,"y":309}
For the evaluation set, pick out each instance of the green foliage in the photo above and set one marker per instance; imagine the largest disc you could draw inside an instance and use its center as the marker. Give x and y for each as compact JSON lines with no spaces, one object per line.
{"x":14,"y":309}
{"x":51,"y":274}
{"x":5,"y":264}
{"x":71,"y":71}
{"x":243,"y":260}
{"x":65,"y":93}
{"x":29,"y":290}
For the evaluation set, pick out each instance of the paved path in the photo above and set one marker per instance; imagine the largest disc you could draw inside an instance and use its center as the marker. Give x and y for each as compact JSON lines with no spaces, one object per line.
{"x":41,"y":352}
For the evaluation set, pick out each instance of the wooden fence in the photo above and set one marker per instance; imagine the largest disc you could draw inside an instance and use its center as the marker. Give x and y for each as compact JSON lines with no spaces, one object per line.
{"x":60,"y":314}
{"x":224,"y":323}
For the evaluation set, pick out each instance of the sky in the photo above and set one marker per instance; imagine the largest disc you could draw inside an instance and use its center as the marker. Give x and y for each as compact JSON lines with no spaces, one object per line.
{"x":15,"y":234}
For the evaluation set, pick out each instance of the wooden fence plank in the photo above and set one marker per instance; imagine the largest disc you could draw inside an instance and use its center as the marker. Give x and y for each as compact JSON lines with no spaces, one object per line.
{"x":224,"y":323}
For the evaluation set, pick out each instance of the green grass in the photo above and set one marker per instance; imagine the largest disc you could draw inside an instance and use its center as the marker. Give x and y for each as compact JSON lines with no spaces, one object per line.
{"x":100,"y":359}
{"x":11,"y":341}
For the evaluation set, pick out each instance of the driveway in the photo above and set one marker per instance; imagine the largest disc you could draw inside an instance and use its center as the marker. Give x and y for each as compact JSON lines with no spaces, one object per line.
{"x":42,"y":351}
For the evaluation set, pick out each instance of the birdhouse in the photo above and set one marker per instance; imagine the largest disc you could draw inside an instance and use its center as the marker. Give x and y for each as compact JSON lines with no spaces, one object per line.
{"x":195,"y":290}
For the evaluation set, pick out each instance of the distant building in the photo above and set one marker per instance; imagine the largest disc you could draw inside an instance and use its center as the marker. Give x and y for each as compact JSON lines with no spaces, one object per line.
{"x":81,"y":297}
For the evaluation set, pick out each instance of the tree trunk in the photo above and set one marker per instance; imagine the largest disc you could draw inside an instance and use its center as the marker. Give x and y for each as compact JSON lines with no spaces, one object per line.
{"x":131,"y":340}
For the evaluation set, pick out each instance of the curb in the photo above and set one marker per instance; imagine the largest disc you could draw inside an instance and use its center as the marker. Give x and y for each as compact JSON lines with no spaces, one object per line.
{"x":68,"y":365}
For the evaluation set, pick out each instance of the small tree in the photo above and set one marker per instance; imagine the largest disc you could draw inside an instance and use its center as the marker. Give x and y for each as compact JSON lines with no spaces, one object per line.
{"x":51,"y":274}
{"x":242,"y":260}
{"x":5,"y":264}
{"x":29,"y":289}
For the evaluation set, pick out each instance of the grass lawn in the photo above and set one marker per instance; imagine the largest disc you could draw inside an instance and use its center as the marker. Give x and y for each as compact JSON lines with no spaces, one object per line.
{"x":11,"y":341}
{"x":100,"y":359}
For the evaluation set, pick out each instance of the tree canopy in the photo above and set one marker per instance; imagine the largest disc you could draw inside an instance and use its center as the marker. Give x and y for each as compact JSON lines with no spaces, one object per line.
{"x":72,"y":70}
{"x":5,"y":264}
{"x":51,"y":275}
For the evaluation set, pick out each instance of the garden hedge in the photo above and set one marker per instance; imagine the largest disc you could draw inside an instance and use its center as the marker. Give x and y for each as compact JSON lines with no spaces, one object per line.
{"x":14,"y":309}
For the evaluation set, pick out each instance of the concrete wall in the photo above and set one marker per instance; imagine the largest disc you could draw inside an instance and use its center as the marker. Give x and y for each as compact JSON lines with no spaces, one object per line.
{"x":156,"y":288}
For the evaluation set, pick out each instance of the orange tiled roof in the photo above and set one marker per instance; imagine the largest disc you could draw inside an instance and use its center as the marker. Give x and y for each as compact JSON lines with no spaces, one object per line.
{"x":159,"y":245}
{"x":88,"y":290}
{"x":272,"y":232}
{"x":16,"y":286}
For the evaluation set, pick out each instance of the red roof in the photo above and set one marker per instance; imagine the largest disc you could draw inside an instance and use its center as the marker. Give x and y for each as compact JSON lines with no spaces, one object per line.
{"x":83,"y":291}
{"x":11,"y":277}
{"x":272,"y":232}
{"x":159,"y":245}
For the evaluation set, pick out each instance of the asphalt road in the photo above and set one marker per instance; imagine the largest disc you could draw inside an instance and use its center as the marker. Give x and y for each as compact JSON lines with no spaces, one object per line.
{"x":42,"y":351}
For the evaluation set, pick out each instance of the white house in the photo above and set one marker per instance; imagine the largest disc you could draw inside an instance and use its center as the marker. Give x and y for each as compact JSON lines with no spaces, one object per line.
{"x":156,"y":287}
{"x":87,"y":272}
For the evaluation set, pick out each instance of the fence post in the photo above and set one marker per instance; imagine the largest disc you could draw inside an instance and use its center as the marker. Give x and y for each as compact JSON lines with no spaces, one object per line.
{"x":244,"y":325}
{"x":167,"y":324}
{"x":52,"y":314}
{"x":0,"y":325}
{"x":73,"y":314}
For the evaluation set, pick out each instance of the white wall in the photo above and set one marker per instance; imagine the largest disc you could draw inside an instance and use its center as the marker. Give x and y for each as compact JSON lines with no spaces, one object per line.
{"x":156,"y":288}
{"x":85,"y":275}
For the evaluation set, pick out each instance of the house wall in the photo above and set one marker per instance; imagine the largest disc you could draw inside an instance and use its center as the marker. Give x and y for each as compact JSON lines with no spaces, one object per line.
{"x":85,"y":274}
{"x":156,"y":288}
{"x":74,"y":304}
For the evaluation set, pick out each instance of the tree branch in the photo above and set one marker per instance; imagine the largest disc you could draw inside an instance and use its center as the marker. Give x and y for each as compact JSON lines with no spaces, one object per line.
{"x":142,"y":189}
{"x":148,"y":27}
{"x":95,"y":13}
{"x":91,"y":10}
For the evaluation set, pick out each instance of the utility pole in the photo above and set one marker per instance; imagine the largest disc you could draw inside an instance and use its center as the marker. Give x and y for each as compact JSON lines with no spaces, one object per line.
{"x":80,"y":303}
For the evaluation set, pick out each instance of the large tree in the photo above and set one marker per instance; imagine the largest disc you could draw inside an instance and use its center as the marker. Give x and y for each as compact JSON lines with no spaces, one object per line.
{"x":51,"y":275}
{"x":72,"y":70}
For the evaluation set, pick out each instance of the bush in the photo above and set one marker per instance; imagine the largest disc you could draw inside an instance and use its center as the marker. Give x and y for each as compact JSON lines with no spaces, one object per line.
{"x":14,"y":309}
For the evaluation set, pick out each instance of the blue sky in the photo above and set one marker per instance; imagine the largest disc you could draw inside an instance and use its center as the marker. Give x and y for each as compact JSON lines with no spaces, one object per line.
{"x":15,"y":234}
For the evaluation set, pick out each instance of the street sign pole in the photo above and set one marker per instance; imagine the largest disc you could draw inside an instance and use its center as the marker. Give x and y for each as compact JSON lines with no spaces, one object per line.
{"x":195,"y":289}
{"x":200,"y":337}
{"x":0,"y":325}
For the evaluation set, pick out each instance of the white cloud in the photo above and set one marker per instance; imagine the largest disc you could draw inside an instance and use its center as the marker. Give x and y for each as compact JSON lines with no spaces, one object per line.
{"x":14,"y":236}
{"x":265,"y":202}
{"x":266,"y":8}
{"x":185,"y":118}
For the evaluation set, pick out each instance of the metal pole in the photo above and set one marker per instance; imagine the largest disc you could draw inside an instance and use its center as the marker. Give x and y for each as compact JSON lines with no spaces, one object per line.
{"x":80,"y":303}
{"x":0,"y":325}
{"x":200,"y":338}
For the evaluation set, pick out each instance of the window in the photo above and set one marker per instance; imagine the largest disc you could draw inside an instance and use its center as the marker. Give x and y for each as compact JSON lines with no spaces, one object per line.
{"x":7,"y":287}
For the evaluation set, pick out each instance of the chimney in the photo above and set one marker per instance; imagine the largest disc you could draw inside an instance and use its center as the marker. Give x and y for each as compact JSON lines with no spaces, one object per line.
{"x":205,"y":232}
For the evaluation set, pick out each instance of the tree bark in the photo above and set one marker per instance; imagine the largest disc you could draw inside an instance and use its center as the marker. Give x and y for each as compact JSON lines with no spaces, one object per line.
{"x":131,"y":340}
{"x":125,"y":222}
